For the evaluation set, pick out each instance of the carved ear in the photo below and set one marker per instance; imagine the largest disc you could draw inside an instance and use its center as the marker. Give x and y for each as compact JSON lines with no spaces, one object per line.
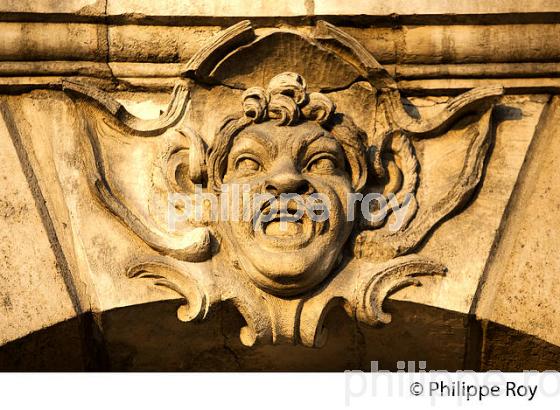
{"x":186,"y":167}
{"x":422,"y":193}
{"x":395,"y":169}
{"x":134,"y":165}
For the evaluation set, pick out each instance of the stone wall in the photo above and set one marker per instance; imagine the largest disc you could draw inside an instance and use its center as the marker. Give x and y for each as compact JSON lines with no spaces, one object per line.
{"x":485,"y":170}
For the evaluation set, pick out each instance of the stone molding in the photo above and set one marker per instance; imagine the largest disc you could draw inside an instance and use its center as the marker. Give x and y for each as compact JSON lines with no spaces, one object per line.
{"x":464,"y":112}
{"x":443,"y":49}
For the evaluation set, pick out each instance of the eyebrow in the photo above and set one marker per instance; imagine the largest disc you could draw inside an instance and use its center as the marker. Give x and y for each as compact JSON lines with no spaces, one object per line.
{"x":311,"y":137}
{"x":259,"y":138}
{"x":308,"y":139}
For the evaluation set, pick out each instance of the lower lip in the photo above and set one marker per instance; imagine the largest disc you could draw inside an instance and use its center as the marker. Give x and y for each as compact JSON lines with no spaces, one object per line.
{"x":296,"y":236}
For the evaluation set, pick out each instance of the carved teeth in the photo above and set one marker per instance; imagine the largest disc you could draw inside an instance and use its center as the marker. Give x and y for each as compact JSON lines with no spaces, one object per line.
{"x":286,"y":229}
{"x":283,"y":231}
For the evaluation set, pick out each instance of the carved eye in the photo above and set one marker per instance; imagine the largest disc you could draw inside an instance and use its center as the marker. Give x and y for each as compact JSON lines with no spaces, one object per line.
{"x":247,"y":164}
{"x":321,"y":164}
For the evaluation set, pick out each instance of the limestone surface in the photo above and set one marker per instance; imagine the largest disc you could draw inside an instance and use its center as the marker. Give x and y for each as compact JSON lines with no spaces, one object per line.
{"x":165,"y":167}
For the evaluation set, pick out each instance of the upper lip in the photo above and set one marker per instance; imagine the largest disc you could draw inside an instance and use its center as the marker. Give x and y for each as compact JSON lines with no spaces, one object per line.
{"x":283,"y":211}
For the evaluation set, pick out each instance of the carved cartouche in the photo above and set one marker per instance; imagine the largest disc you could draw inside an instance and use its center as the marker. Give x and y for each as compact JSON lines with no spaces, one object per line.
{"x":283,"y":273}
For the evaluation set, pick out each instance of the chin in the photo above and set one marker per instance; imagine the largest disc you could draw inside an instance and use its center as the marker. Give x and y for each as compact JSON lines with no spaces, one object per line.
{"x":291,"y":260}
{"x":288,"y":273}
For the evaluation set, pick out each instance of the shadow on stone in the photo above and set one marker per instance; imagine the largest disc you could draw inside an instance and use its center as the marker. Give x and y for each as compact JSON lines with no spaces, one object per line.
{"x":149,"y":337}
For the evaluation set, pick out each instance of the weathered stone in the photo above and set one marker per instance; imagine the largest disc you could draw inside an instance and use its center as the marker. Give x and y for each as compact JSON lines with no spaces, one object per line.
{"x":133,"y":181}
{"x":53,"y":41}
{"x":405,"y":100}
{"x":36,"y":289}
{"x":515,"y":120}
{"x":426,"y":7}
{"x":71,"y":7}
{"x":520,"y":288}
{"x":219,"y":8}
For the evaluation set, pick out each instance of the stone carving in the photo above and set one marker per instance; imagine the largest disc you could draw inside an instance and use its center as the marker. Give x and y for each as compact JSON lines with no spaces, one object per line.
{"x":279,"y":112}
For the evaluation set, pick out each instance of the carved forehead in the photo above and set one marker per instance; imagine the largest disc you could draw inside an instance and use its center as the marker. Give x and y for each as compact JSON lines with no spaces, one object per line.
{"x":275,"y":137}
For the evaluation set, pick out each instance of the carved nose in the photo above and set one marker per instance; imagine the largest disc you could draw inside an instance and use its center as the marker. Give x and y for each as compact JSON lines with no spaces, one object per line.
{"x":287,"y":181}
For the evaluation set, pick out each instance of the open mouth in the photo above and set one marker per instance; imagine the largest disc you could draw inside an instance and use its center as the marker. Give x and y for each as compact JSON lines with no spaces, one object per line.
{"x":283,"y":225}
{"x":286,"y":226}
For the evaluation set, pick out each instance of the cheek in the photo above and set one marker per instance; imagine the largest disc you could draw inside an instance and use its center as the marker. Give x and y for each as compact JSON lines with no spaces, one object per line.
{"x":239,"y":201}
{"x":339,"y":184}
{"x":338,"y":190}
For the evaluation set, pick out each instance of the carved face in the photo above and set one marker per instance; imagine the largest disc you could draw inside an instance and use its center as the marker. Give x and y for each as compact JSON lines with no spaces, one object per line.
{"x":282,"y":255}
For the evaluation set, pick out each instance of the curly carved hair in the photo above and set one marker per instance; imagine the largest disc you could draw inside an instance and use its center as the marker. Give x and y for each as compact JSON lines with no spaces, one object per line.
{"x":287,"y":102}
